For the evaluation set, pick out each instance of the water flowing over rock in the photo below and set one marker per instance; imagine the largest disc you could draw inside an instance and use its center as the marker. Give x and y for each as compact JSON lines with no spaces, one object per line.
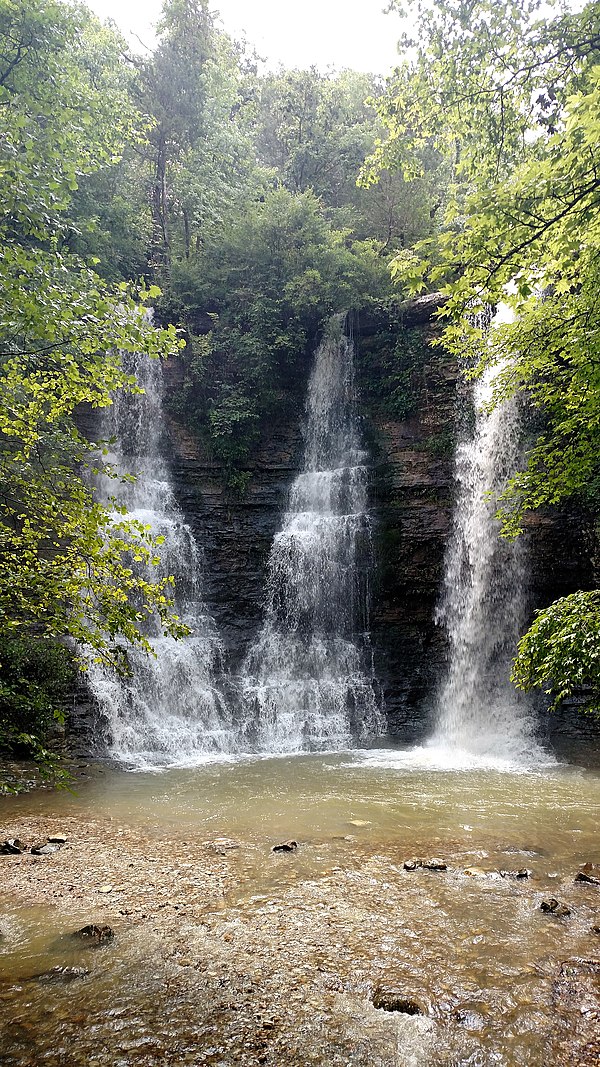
{"x":171,"y":709}
{"x":307,"y":681}
{"x":484,"y":601}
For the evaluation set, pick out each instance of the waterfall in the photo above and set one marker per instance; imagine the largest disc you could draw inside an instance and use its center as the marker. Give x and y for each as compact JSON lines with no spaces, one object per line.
{"x":170,"y":708}
{"x":307,"y":681}
{"x":484,"y":600}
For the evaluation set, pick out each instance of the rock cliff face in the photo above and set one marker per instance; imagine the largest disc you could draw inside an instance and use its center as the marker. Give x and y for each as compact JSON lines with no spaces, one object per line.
{"x":413,"y":404}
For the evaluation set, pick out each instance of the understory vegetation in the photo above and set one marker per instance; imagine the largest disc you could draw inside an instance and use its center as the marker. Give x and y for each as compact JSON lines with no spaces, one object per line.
{"x":229,"y":200}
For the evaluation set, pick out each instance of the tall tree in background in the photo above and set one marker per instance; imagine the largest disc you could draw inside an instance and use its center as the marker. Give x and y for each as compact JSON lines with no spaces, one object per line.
{"x":64,"y":559}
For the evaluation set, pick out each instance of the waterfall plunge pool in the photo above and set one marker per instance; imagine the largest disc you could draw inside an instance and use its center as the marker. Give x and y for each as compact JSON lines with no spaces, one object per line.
{"x":238,"y":955}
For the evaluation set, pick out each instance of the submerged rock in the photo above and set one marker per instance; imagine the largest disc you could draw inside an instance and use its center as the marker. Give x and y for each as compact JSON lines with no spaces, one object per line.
{"x":523,"y":872}
{"x":389,"y":999}
{"x":434,"y":865}
{"x":12,"y":847}
{"x":221,"y":845}
{"x":61,"y":974}
{"x":95,"y":935}
{"x":285,"y":846}
{"x":590,"y":872}
{"x":555,"y":907}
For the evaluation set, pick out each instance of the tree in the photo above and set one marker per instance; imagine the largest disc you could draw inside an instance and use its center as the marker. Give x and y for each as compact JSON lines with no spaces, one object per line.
{"x":264,"y":286}
{"x":65,"y":560}
{"x":513,"y":100}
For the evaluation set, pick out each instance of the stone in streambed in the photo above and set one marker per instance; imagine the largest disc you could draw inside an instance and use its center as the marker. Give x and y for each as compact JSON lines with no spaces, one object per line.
{"x":412,"y":865}
{"x":389,"y":999}
{"x":221,"y":845}
{"x":434,"y":865}
{"x":44,"y":850}
{"x":57,"y":839}
{"x":12,"y":847}
{"x":590,"y":872}
{"x":60,"y":974}
{"x":523,"y":872}
{"x":285,"y":846}
{"x":95,"y":935}
{"x":554,"y":907}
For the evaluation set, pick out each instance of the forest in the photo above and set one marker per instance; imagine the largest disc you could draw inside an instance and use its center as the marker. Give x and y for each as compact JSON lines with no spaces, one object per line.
{"x":299,"y":464}
{"x":246,"y":209}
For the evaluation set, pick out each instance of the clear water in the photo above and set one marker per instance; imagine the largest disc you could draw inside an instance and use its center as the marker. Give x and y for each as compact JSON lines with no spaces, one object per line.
{"x":305,"y":938}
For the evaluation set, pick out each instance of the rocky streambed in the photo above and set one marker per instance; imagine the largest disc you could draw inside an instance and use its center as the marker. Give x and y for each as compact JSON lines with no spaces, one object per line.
{"x":369,"y":943}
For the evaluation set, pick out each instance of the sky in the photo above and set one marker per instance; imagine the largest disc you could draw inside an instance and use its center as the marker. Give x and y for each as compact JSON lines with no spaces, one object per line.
{"x":326,"y":33}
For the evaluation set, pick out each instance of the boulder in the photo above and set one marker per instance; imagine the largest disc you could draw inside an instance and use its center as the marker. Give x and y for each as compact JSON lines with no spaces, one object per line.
{"x":412,"y":865}
{"x":590,"y":872}
{"x":12,"y":847}
{"x":285,"y":846}
{"x":554,"y":907}
{"x":434,"y":865}
{"x":44,"y":850}
{"x":95,"y":935}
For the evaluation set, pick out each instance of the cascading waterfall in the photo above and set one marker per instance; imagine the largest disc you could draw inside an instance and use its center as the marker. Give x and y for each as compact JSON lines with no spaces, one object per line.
{"x":170,"y":709}
{"x":307,"y":682}
{"x":483,"y":606}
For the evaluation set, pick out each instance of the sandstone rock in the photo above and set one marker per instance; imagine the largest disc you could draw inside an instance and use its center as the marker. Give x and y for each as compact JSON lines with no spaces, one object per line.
{"x":555,"y":908}
{"x":359,"y":822}
{"x":12,"y":847}
{"x":390,"y":999}
{"x":412,"y":865}
{"x":590,"y":872}
{"x":95,"y":935}
{"x":285,"y":846}
{"x":57,"y":839}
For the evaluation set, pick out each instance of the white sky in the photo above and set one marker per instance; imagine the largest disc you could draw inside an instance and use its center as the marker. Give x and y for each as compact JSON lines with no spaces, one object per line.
{"x":326,"y":33}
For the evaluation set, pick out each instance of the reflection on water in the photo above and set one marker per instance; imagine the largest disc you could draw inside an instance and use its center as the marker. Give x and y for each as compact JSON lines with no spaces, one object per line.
{"x":300,"y":941}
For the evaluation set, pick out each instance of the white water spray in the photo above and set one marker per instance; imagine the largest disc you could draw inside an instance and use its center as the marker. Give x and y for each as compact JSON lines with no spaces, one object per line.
{"x":307,"y":682}
{"x":170,"y":710}
{"x":484,"y":601}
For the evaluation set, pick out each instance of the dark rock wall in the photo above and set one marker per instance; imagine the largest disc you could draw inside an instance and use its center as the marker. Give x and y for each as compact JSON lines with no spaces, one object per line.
{"x":413,"y":402}
{"x":235,"y":530}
